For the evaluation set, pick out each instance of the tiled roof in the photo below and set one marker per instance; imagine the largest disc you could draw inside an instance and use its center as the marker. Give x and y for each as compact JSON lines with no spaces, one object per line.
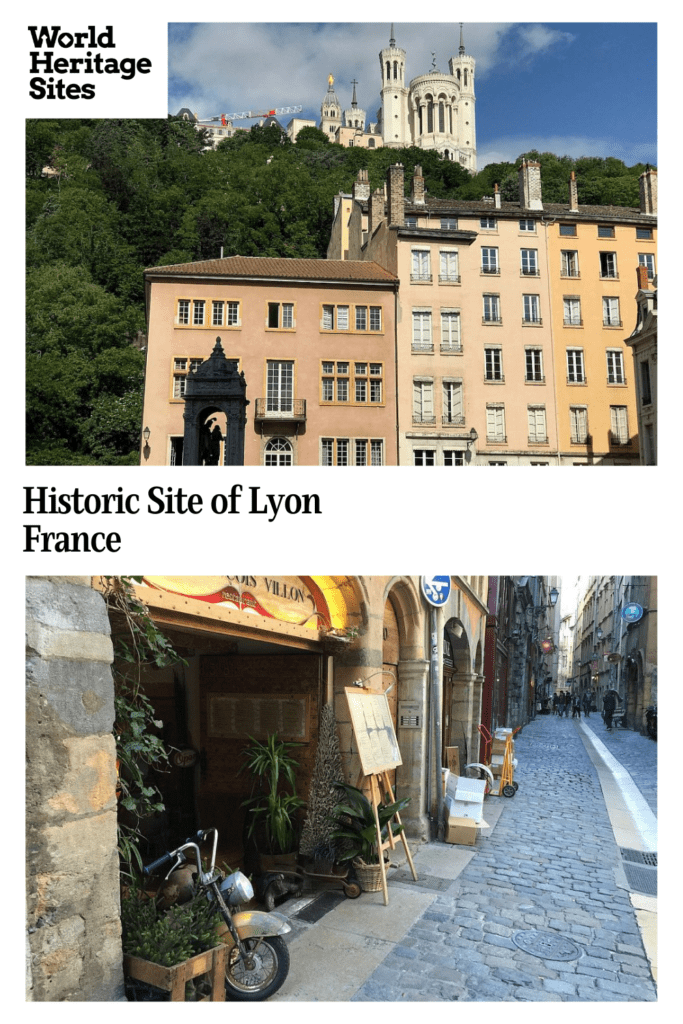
{"x":515,"y":209}
{"x":276,"y":268}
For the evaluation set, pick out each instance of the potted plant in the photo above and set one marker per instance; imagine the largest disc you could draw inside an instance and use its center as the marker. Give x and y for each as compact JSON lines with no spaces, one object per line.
{"x":272,"y":810}
{"x":356,"y":829}
{"x":336,"y":640}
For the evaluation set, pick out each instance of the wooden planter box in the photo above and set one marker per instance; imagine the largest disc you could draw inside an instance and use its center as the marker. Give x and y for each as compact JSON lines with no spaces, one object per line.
{"x":173,"y":979}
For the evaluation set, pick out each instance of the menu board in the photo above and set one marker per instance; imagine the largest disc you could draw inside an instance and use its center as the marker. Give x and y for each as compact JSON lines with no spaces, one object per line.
{"x":374,"y":731}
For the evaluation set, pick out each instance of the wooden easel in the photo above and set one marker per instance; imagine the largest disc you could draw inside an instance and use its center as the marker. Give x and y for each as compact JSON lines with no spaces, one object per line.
{"x":379,"y":787}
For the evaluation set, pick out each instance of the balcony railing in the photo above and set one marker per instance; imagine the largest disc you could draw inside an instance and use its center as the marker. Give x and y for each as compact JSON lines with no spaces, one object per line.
{"x":490,"y":270}
{"x":573,"y":321}
{"x":453,"y":421}
{"x":611,"y":322}
{"x":422,"y":346}
{"x":618,"y":441}
{"x":420,"y":275}
{"x":531,"y":272}
{"x":537,"y":320}
{"x":451,"y":346}
{"x":449,"y":278}
{"x":284,"y":409}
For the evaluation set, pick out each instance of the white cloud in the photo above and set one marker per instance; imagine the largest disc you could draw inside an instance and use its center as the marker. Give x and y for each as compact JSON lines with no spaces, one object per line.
{"x":509,"y":148}
{"x":240,"y":66}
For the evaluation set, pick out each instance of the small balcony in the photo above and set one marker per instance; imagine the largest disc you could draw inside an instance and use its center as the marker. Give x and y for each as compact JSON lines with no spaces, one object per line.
{"x":292,"y":410}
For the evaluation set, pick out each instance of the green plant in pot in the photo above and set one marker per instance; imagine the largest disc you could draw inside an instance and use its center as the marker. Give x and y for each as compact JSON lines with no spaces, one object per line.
{"x":356,"y":827}
{"x":272,"y":808}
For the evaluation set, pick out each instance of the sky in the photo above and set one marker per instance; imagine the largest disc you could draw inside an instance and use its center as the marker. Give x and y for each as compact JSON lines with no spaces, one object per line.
{"x":574,"y":89}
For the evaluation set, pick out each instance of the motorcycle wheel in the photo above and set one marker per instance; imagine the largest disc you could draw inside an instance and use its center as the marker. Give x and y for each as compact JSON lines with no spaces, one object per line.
{"x":270,"y":966}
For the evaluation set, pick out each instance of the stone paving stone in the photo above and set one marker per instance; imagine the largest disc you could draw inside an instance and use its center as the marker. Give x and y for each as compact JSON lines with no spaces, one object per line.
{"x":549,"y":865}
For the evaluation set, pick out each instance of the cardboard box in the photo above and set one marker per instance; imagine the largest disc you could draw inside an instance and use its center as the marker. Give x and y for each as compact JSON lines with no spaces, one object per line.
{"x":461,"y":831}
{"x":453,"y":760}
{"x":498,"y":746}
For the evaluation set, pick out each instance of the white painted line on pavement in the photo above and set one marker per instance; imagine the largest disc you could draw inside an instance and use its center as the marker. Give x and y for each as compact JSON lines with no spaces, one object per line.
{"x":643,"y":818}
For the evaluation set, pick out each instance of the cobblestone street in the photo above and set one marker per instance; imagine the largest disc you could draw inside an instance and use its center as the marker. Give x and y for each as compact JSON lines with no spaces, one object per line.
{"x":549,"y":865}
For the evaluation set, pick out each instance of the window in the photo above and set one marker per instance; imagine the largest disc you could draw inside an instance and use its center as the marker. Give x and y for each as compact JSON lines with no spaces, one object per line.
{"x":529,"y":262}
{"x":281,"y":316}
{"x":448,"y":265}
{"x":610,"y":312}
{"x":182,"y":366}
{"x":279,"y":385}
{"x":526,"y":224}
{"x":424,"y":457}
{"x":497,"y":463}
{"x":570,"y":263}
{"x":615,"y":366}
{"x":605,"y":231}
{"x":568,"y":229}
{"x":575,"y":373}
{"x":420,"y":265}
{"x":422,"y":330}
{"x":278,"y":452}
{"x":453,"y":458}
{"x":411,"y":222}
{"x":534,"y":365}
{"x":619,"y":424}
{"x":449,"y":223}
{"x":224,"y":314}
{"x":608,"y":265}
{"x":368,"y":452}
{"x":538,"y":433}
{"x":335,"y":318}
{"x":495,"y":423}
{"x":646,"y":259}
{"x":488,"y":223}
{"x":572,"y":312}
{"x":491,"y":309}
{"x":489,"y":260}
{"x":645,"y":386}
{"x":493,"y":364}
{"x":423,"y":401}
{"x":453,"y":408}
{"x":176,"y":451}
{"x":183,"y":311}
{"x":578,"y":424}
{"x":531,"y":309}
{"x":643,"y":232}
{"x":198,"y":309}
{"x":361,"y":318}
{"x":375,"y":318}
{"x":450,"y":330}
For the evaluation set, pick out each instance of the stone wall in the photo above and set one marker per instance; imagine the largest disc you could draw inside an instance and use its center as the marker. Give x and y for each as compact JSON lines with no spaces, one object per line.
{"x":74,"y":939}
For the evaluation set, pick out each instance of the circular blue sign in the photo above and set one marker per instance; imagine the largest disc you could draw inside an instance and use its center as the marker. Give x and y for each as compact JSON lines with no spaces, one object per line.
{"x":436,"y":589}
{"x":632,"y":612}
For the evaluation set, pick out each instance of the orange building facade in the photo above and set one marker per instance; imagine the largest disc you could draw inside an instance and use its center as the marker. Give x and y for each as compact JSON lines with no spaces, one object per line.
{"x":314,"y":340}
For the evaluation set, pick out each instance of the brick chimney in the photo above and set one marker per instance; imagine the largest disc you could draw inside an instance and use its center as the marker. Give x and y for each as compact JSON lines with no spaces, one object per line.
{"x":573,"y":194}
{"x":496,"y":196}
{"x":417,"y":193}
{"x":648,"y":191}
{"x":361,"y":186}
{"x":395,"y":199}
{"x":530,"y":185}
{"x":375,"y":211}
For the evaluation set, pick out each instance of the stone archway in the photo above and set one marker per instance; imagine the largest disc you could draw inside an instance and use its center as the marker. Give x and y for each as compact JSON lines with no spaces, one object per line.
{"x":459,"y":692}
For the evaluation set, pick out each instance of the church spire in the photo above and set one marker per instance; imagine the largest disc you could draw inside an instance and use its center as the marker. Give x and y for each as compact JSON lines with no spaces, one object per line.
{"x":462,"y":42}
{"x":392,"y":41}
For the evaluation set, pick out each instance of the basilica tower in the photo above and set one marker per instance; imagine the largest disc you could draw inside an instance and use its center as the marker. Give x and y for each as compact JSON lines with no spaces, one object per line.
{"x":462,"y":69}
{"x":394,"y":93}
{"x":330,"y":111}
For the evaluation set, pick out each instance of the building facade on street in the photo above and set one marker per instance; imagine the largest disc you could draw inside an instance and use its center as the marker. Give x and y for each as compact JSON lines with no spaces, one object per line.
{"x":313,"y":342}
{"x":510,"y":329}
{"x":643,"y":344}
{"x":616,"y":643}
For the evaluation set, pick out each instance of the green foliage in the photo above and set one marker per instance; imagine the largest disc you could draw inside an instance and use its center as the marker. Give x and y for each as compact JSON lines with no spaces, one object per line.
{"x":356,"y":825}
{"x":140,"y":644}
{"x":170,"y":937}
{"x":125,"y":194}
{"x":272,"y":811}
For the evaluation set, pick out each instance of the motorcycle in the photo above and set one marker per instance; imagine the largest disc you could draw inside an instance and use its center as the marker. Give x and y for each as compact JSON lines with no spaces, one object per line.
{"x":651,"y":721}
{"x":258,"y":957}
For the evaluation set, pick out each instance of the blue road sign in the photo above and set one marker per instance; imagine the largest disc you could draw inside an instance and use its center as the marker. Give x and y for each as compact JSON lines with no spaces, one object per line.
{"x":632,"y":612}
{"x":436,"y":589}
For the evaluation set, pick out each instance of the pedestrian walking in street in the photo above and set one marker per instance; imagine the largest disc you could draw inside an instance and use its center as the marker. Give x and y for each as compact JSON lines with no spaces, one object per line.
{"x":587,"y":701}
{"x":555,"y":703}
{"x":576,"y":706}
{"x":609,"y":703}
{"x":560,"y":703}
{"x":567,"y":703}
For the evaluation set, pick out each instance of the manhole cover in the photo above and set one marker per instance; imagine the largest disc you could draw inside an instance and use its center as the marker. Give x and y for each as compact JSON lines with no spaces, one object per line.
{"x":547,"y":945}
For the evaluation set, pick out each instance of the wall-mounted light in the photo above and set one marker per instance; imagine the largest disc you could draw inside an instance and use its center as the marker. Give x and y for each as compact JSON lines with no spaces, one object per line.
{"x":146,"y":451}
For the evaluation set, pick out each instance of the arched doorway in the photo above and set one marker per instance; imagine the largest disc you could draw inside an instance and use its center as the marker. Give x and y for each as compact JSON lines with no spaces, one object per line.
{"x":458,"y":691}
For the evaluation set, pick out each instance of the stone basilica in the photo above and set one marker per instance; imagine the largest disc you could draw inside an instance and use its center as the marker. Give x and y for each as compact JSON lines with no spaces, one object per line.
{"x":433,"y":111}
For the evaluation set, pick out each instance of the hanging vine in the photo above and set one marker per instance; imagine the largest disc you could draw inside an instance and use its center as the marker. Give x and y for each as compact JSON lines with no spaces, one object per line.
{"x":139,"y":645}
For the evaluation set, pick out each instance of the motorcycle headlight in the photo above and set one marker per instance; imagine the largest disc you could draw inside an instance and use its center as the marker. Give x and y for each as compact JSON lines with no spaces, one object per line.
{"x":236,"y":888}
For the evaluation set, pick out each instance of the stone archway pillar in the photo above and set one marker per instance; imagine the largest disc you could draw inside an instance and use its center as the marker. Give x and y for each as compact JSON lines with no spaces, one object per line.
{"x":466,"y":709}
{"x":411,"y":776}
